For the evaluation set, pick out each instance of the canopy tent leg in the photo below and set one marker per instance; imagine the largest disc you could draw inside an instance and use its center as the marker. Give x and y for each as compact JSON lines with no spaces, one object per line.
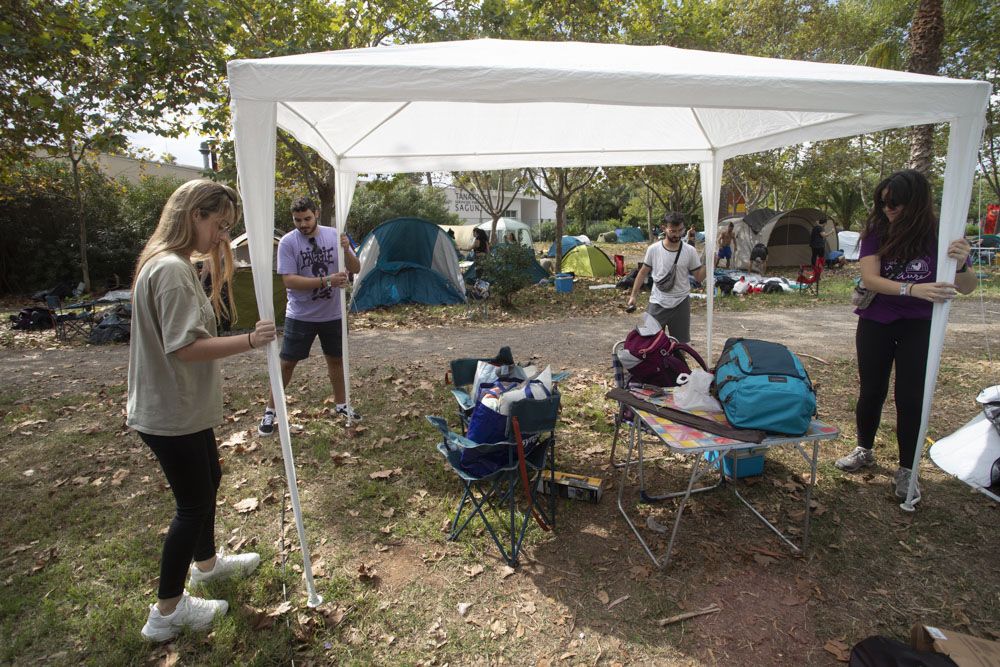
{"x":346,"y":182}
{"x":963,"y":140}
{"x":254,"y":127}
{"x":711,"y":190}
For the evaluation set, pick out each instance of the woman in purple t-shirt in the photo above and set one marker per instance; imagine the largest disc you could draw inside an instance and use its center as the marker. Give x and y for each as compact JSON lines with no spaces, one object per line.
{"x":899,"y":263}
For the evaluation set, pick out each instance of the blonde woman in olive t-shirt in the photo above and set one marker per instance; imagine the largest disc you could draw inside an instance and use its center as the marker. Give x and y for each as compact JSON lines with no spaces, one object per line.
{"x":175,"y":393}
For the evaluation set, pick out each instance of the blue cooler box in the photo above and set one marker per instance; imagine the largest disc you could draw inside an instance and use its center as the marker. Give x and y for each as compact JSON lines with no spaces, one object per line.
{"x":747,"y":463}
{"x":564,"y":282}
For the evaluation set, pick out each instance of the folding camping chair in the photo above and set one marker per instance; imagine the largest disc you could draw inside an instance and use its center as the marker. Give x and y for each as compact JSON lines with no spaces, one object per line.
{"x":491,"y":474}
{"x":624,"y":416}
{"x":463,"y":374}
{"x":69,"y":323}
{"x":810,"y":275}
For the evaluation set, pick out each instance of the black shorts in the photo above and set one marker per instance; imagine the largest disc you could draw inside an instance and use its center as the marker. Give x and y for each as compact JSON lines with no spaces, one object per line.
{"x":299,"y":337}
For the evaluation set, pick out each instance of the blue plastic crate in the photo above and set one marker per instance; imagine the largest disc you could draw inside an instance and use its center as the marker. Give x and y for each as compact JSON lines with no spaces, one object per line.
{"x":746,"y":463}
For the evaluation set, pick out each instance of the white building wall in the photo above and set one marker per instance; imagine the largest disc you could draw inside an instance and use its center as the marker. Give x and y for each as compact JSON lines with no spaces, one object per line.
{"x":524,"y":208}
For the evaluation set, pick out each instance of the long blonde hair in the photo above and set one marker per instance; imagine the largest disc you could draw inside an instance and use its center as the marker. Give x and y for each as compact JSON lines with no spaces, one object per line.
{"x":175,"y":233}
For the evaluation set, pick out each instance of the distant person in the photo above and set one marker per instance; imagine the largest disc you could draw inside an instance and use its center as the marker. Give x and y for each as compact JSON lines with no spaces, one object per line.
{"x":480,"y":242}
{"x":175,"y":393}
{"x":670,"y":261}
{"x":899,"y":263}
{"x":817,"y":240}
{"x":307,"y":264}
{"x":510,"y":238}
{"x":758,"y":258}
{"x":727,"y":245}
{"x":692,"y":236}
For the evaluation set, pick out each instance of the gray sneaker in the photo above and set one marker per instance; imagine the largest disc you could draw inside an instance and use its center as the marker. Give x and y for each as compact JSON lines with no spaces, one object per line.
{"x":902,"y":478}
{"x":266,"y":426}
{"x":191,"y":613}
{"x":856,"y":460}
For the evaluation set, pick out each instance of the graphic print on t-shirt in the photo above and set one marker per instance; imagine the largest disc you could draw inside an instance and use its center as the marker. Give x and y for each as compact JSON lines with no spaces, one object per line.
{"x":318,"y":259}
{"x":917,"y":270}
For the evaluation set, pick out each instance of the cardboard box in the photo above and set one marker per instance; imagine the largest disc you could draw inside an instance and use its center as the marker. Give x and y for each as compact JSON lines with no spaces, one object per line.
{"x":964,"y":650}
{"x":568,"y":485}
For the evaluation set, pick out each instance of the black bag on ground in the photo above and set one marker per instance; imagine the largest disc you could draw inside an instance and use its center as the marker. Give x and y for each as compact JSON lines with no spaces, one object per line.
{"x":114,"y":327}
{"x":885,"y":652}
{"x":31,"y":319}
{"x":725,"y":284}
{"x":629,"y":280}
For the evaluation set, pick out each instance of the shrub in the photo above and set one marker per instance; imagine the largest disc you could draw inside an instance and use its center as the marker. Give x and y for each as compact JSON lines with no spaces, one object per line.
{"x":547,"y":232}
{"x":972,"y":229}
{"x":506,"y":270}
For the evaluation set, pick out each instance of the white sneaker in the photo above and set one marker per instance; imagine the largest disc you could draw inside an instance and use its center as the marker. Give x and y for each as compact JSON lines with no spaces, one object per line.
{"x":856,"y":460}
{"x":191,"y":612}
{"x":902,"y":479}
{"x":225,"y":567}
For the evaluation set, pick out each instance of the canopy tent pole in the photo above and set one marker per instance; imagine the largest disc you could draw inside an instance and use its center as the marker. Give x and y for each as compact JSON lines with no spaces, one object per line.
{"x":254,"y":129}
{"x":711,"y":189}
{"x":964,"y":135}
{"x":346,"y":182}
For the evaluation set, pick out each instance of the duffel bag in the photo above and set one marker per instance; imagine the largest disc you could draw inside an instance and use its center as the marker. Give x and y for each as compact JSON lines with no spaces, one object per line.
{"x":657,"y":359}
{"x":764,"y":386}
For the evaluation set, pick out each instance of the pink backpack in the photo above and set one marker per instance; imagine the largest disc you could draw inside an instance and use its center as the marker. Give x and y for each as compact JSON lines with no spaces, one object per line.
{"x":656,"y":359}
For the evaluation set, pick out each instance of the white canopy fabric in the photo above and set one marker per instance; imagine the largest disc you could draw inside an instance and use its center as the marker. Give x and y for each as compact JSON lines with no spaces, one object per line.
{"x":494,"y":104}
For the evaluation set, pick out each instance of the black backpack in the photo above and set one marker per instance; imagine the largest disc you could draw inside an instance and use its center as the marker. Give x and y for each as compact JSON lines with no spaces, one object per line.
{"x":31,"y":319}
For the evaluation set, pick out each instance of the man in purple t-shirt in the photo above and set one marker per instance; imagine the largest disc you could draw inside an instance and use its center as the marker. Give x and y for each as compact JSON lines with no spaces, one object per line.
{"x":307,"y":264}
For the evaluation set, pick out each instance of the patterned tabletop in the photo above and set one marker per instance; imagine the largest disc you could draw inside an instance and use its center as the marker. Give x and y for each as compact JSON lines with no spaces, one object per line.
{"x":688,"y":439}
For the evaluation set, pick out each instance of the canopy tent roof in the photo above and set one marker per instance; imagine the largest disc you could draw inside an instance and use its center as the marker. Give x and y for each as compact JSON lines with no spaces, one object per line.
{"x":490,"y":104}
{"x":493,"y":104}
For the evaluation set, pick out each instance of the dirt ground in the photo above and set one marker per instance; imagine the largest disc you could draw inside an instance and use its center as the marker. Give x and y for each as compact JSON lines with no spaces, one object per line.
{"x":766,"y":603}
{"x":573,"y":343}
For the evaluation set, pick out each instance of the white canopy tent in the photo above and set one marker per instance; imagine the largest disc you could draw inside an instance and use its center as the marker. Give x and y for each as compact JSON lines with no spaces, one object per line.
{"x":493,"y":104}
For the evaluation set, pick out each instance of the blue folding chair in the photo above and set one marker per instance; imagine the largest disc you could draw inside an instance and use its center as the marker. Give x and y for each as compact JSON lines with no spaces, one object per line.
{"x":492,"y":473}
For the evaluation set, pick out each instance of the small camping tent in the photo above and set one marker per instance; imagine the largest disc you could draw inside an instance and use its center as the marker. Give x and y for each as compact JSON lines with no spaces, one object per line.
{"x":463,"y":235}
{"x":568,"y":243}
{"x":589,"y":261}
{"x":243,"y":295}
{"x":850,"y":243}
{"x":630,"y":235}
{"x":407,"y":260}
{"x":509,"y":226}
{"x":786,"y":235}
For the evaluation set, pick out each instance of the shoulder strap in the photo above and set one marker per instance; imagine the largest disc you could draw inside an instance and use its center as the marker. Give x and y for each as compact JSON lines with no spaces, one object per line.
{"x":679,"y":416}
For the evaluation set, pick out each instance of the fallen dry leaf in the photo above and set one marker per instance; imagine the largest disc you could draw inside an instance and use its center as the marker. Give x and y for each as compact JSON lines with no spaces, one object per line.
{"x":385,"y":474}
{"x":367,"y":573}
{"x":603,"y":597}
{"x":246,"y":505}
{"x":840,"y":649}
{"x":474,"y":570}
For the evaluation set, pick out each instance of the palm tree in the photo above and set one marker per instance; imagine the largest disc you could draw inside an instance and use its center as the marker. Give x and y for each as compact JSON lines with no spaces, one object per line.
{"x":926,"y":37}
{"x":843,"y":202}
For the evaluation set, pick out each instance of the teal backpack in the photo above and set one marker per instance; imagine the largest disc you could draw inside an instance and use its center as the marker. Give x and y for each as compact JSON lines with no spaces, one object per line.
{"x":764,"y":386}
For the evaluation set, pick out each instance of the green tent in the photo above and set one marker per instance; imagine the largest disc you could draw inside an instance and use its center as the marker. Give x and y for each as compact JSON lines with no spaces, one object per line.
{"x":246,"y":300}
{"x":589,"y":261}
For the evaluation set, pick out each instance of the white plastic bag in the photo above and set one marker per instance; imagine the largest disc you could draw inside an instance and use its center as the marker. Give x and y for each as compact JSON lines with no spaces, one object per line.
{"x":542,"y":388}
{"x":692,"y":392}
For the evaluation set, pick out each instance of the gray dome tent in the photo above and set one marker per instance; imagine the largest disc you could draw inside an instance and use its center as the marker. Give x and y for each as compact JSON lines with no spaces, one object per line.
{"x":786,"y":235}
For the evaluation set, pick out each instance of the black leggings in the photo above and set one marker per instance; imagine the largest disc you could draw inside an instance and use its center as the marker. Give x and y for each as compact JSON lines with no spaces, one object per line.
{"x":816,"y":254}
{"x":903,"y":342}
{"x":191,"y":464}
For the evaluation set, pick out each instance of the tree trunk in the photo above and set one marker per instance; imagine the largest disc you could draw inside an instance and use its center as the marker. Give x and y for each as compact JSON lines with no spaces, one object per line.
{"x":493,"y":229}
{"x":926,"y":37}
{"x":560,"y":224}
{"x":81,"y":219}
{"x":326,"y":189}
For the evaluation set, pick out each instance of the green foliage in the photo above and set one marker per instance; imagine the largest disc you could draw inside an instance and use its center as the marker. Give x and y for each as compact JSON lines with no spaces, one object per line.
{"x":972,"y":230}
{"x":547,"y":232}
{"x":397,"y":197}
{"x":844,"y":203}
{"x":506,"y":269}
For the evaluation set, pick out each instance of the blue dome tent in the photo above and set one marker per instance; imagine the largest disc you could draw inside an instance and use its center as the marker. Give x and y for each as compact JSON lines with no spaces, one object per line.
{"x":568,"y":243}
{"x":407,"y":260}
{"x":630,"y":235}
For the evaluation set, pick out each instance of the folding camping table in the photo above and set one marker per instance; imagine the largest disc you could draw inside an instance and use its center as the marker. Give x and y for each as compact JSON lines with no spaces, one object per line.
{"x":686,"y":440}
